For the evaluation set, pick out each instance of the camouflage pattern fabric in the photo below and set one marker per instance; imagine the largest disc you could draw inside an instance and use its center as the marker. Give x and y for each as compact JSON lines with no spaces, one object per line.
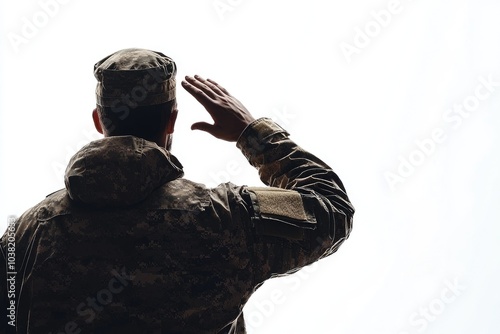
{"x":132,"y":247}
{"x":136,"y":77}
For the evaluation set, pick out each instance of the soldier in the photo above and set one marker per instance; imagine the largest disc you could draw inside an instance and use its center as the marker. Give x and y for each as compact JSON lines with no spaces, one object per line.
{"x":130,"y":246}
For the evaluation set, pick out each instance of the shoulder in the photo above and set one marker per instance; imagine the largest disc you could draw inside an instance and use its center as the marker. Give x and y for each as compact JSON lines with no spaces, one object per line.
{"x":55,"y":204}
{"x":31,"y":222}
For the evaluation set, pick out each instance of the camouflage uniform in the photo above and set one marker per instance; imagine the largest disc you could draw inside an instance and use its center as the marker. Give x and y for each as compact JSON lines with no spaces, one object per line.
{"x":130,"y":246}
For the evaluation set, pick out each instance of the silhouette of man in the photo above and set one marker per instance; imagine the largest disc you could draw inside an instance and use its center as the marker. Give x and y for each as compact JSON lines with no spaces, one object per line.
{"x":130,"y":246}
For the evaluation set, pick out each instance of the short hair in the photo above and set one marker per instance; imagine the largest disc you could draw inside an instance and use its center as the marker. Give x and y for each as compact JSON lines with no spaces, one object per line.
{"x":146,"y":122}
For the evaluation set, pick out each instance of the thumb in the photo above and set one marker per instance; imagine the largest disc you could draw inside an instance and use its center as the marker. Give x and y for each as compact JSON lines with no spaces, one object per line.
{"x":203,"y":126}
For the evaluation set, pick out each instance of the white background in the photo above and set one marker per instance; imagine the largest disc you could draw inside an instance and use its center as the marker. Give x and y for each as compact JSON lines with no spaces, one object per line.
{"x":423,"y":255}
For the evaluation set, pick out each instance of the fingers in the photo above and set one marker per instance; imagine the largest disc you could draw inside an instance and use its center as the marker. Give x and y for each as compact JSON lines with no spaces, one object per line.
{"x":197,"y":93}
{"x":214,"y":86}
{"x":208,"y":86}
{"x":203,"y":85}
{"x":222,"y":89}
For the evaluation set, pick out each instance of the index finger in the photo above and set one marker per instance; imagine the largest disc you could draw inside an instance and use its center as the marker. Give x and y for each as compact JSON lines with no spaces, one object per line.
{"x":197,"y":93}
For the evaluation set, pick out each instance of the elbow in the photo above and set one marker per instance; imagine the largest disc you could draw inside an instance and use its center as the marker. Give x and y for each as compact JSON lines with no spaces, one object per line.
{"x":335,"y":225}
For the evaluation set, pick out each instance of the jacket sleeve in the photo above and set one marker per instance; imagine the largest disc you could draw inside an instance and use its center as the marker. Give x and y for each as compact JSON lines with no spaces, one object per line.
{"x":303,"y":215}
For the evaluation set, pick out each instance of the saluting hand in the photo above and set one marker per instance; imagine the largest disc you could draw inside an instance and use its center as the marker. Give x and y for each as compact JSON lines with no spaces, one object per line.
{"x":229,"y":115}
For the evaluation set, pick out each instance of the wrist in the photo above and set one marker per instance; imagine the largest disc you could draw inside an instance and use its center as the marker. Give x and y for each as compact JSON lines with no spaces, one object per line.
{"x":256,"y":135}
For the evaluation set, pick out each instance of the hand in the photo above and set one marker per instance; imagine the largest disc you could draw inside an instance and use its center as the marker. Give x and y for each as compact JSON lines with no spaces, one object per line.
{"x":229,"y":115}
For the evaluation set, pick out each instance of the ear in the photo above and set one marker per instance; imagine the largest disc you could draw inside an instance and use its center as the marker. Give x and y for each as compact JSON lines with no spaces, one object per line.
{"x":171,"y":121}
{"x":97,"y":121}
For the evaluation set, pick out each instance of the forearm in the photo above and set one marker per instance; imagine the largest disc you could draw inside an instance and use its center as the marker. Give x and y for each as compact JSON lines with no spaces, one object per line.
{"x":283,"y":164}
{"x":308,"y":221}
{"x":305,"y":214}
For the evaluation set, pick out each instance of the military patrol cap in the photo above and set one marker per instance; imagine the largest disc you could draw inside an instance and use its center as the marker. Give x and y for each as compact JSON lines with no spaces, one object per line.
{"x":137,"y":77}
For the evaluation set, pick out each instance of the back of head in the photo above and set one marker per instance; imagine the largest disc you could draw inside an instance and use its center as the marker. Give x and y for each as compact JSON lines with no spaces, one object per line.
{"x":135,"y":93}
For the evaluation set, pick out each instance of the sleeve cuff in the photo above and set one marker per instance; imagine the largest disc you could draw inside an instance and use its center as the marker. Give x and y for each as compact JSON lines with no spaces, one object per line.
{"x":256,"y":135}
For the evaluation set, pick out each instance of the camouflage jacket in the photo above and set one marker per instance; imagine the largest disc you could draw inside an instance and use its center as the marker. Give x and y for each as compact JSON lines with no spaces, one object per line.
{"x":132,"y":247}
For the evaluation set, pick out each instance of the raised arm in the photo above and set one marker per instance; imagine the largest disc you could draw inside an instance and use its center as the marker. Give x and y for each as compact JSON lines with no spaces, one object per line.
{"x":305,"y":213}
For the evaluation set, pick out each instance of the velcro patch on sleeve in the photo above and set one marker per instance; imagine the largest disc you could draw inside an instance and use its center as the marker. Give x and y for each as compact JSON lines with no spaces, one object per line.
{"x":281,"y":213}
{"x":280,"y":202}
